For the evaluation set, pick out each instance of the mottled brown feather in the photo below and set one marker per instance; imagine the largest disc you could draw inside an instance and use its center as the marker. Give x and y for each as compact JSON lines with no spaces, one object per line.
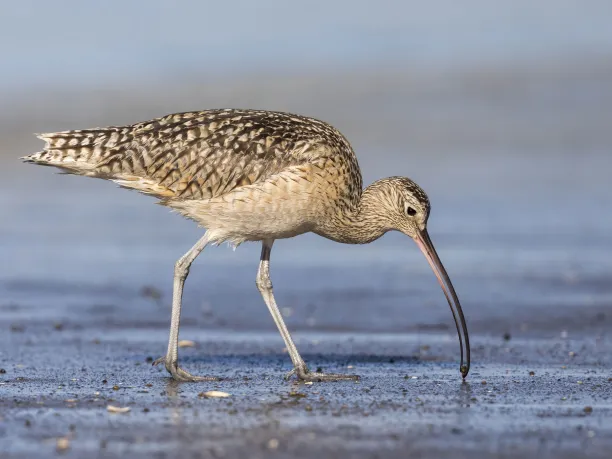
{"x":202,"y":155}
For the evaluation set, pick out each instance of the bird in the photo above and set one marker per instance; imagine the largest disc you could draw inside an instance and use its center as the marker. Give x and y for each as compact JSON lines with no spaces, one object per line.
{"x":247,"y":175}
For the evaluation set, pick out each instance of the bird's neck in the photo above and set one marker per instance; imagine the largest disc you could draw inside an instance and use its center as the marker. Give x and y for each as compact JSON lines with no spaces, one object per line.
{"x":360,"y":223}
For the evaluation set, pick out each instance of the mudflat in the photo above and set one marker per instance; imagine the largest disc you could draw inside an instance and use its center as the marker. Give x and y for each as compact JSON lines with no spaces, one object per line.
{"x":525,"y":396}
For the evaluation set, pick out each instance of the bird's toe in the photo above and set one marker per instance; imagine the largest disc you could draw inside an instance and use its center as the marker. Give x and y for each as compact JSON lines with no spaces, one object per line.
{"x":304,"y":374}
{"x":178,"y":374}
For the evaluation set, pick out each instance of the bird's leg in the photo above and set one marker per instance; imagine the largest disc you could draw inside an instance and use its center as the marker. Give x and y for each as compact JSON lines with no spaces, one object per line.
{"x":181,"y":271}
{"x":264,"y":284}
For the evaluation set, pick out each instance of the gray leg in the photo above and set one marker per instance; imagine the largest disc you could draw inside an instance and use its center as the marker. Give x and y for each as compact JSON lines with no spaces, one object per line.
{"x":264,"y":284}
{"x":181,"y":271}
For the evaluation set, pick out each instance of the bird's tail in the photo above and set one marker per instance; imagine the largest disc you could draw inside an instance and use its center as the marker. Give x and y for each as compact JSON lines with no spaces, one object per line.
{"x":102,"y":153}
{"x":79,"y":151}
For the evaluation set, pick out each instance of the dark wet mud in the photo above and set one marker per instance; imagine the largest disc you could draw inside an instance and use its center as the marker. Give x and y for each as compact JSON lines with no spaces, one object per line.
{"x":525,"y":396}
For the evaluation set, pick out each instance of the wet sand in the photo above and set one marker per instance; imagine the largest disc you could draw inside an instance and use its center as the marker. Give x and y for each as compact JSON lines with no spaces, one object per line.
{"x":525,"y":396}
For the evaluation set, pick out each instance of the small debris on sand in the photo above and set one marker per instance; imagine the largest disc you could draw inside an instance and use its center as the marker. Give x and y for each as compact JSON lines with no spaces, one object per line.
{"x":214,"y":394}
{"x":17,"y":328}
{"x":186,"y":343}
{"x":62,"y":444}
{"x":273,"y":443}
{"x":151,"y":292}
{"x":588,"y":409}
{"x":117,"y":409}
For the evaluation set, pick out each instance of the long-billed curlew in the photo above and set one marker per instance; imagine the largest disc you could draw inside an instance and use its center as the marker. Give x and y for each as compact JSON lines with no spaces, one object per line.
{"x":248,"y":175}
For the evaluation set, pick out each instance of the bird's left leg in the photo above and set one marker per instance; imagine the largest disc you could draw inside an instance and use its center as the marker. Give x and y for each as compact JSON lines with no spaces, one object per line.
{"x":264,"y":284}
{"x":181,"y":271}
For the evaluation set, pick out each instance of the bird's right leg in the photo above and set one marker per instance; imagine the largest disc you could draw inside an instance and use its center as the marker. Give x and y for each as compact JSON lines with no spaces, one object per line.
{"x":264,"y":284}
{"x":181,"y":271}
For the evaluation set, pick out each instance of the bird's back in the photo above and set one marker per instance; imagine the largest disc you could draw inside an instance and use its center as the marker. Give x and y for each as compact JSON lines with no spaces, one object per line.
{"x":200,"y":155}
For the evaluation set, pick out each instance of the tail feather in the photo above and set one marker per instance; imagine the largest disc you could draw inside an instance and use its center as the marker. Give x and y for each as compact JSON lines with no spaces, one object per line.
{"x":77,"y":151}
{"x":90,"y":153}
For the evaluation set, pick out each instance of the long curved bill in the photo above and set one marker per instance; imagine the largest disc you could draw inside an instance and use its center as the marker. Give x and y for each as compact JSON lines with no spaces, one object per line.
{"x":424,"y":242}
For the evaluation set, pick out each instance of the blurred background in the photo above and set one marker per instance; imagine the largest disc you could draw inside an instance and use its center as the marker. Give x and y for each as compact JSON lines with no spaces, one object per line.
{"x":501,"y":111}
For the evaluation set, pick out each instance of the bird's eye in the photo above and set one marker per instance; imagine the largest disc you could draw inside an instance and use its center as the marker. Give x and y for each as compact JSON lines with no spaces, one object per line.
{"x":410,"y":211}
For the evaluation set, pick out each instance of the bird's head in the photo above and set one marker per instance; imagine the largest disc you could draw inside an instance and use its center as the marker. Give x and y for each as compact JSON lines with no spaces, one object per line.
{"x":404,"y":207}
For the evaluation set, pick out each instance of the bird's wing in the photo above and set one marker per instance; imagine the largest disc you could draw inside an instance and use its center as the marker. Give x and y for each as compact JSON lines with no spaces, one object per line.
{"x":195,"y":155}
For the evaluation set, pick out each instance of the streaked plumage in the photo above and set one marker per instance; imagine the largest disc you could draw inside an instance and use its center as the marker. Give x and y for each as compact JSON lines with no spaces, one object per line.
{"x":246,"y":175}
{"x":198,"y":162}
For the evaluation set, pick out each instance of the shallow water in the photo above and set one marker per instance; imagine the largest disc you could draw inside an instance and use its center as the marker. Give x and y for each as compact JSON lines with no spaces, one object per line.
{"x":73,"y":243}
{"x":520,"y":215}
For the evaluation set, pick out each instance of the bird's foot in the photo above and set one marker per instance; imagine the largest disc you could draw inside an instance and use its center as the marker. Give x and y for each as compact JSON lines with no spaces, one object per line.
{"x":178,"y":374}
{"x":304,"y":374}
